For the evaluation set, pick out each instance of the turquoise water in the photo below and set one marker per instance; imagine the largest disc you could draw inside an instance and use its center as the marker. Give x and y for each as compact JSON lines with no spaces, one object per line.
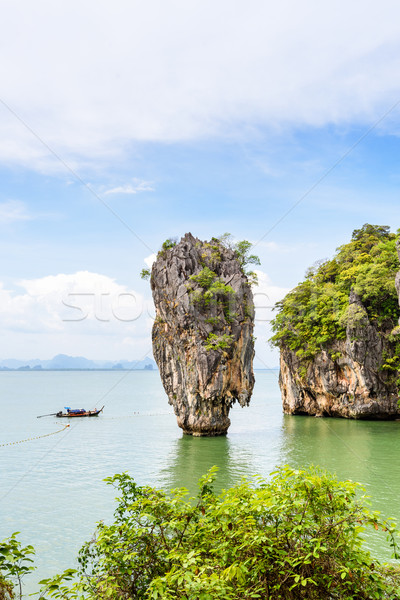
{"x":51,"y":489}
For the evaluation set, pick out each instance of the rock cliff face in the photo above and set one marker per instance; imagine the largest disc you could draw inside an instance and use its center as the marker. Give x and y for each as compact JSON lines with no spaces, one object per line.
{"x":352,"y":386}
{"x":203,"y":333}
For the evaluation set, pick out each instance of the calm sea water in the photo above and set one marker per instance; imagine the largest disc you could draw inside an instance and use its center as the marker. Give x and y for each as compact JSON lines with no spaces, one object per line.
{"x":52,"y":489}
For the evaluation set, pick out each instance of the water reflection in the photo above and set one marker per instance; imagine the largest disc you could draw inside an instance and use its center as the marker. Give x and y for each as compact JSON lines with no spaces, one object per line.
{"x":191,"y":457}
{"x":339,"y":445}
{"x":357,"y":450}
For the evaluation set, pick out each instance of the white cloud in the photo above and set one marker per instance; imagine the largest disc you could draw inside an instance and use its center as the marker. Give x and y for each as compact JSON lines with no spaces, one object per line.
{"x":266,"y":294}
{"x":90,"y":314}
{"x":135,"y":187}
{"x":90,"y":78}
{"x":70,"y":312}
{"x":13,"y":211}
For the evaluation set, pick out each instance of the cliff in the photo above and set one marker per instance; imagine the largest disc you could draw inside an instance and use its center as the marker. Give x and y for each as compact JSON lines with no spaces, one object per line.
{"x":338,"y":333}
{"x":203,"y":333}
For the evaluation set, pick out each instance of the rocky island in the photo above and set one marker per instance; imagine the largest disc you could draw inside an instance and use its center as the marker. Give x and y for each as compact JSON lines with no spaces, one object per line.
{"x":203,"y":331}
{"x":338,"y":333}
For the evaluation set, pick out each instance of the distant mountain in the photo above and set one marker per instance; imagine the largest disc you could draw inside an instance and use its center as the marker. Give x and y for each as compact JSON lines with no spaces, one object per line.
{"x":65,"y":362}
{"x":62,"y":361}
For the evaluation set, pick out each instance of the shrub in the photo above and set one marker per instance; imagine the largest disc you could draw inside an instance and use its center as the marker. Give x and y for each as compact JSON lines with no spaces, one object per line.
{"x":204,"y":278}
{"x":6,"y":589}
{"x":296,"y":536}
{"x":218,"y":291}
{"x":15,"y":563}
{"x":214,"y":321}
{"x":214,"y":290}
{"x":242,"y":251}
{"x":218,"y":342}
{"x":145,"y":274}
{"x":169,"y":243}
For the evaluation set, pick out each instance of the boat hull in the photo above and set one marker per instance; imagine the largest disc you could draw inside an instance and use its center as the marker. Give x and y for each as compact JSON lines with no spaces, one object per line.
{"x":89,"y":413}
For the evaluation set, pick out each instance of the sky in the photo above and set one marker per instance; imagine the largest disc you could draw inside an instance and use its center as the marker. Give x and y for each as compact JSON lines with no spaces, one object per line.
{"x":125,"y":123}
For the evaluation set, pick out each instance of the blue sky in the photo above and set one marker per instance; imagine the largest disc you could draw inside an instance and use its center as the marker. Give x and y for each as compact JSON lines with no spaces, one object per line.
{"x":123,"y":125}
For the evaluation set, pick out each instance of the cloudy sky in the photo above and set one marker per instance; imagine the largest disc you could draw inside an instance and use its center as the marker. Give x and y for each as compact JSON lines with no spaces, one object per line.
{"x":128,"y":122}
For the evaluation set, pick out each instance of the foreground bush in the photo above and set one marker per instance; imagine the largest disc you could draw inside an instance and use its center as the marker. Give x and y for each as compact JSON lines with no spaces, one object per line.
{"x":296,"y":536}
{"x":15,"y":563}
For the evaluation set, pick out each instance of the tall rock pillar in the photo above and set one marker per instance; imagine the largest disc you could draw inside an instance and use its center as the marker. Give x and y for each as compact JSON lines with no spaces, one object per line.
{"x":203,"y":333}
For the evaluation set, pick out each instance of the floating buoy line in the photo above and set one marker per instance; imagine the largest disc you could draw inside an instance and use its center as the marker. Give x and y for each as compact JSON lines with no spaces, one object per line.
{"x":38,"y":437}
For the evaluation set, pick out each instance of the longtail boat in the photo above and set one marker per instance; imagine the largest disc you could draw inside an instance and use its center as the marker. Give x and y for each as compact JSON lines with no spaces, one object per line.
{"x":78,"y":412}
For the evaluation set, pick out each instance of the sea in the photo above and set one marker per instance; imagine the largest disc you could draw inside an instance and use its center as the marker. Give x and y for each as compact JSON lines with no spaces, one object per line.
{"x":52,"y":486}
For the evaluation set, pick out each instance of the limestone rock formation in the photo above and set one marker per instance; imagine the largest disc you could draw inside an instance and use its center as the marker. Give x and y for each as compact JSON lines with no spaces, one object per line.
{"x":203,"y":333}
{"x":352,"y":386}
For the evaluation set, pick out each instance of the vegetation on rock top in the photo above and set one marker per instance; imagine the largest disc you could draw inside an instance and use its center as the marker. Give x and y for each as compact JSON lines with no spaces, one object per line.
{"x":208,"y":291}
{"x":212,"y":254}
{"x":242,"y":251}
{"x":317,"y":312}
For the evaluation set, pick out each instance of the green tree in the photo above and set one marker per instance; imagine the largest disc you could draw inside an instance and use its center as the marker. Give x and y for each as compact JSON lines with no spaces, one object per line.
{"x":242,"y":250}
{"x":296,"y":536}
